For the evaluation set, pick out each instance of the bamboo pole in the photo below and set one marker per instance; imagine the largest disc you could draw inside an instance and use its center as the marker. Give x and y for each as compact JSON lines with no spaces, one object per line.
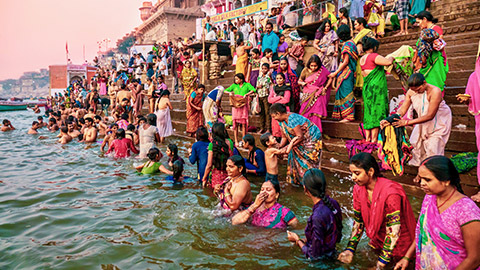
{"x":204,"y":55}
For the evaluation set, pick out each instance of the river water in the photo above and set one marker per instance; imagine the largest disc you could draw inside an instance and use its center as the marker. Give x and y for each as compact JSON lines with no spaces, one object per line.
{"x":71,"y":207}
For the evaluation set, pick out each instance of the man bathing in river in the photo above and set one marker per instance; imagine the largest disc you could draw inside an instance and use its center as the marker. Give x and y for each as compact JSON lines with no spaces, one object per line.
{"x":33,"y":129}
{"x":102,"y":127}
{"x":90,"y":133}
{"x":64,"y":137}
{"x":7,"y":125}
{"x":41,"y":124}
{"x":72,"y":131}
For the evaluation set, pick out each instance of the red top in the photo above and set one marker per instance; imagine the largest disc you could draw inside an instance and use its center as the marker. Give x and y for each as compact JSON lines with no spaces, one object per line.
{"x":122,"y":148}
{"x":369,"y":62}
{"x":438,"y":29}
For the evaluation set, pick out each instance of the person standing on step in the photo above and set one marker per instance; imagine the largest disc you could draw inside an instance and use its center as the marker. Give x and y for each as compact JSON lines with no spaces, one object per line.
{"x":188,"y":78}
{"x":264,"y":82}
{"x":194,"y":110}
{"x":375,"y":92}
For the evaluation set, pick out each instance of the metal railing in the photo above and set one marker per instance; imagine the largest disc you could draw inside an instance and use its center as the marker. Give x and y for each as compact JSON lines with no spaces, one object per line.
{"x":300,"y":16}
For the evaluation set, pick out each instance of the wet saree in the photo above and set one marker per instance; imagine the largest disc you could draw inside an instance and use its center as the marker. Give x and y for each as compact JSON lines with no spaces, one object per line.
{"x":276,"y":217}
{"x":314,"y":100}
{"x":375,"y":98}
{"x":189,"y":80}
{"x":194,"y":116}
{"x":344,"y":99}
{"x":327,"y":42}
{"x":305,"y":155}
{"x":439,"y":241}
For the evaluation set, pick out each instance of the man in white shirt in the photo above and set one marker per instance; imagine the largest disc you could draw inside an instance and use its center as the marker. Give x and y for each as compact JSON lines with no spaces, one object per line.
{"x":212,"y":35}
{"x":244,"y":28}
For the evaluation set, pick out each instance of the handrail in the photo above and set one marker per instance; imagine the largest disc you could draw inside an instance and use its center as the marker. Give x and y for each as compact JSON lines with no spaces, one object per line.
{"x":316,"y":11}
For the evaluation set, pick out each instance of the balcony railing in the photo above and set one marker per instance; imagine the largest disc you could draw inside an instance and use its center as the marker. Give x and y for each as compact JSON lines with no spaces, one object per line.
{"x":302,"y":16}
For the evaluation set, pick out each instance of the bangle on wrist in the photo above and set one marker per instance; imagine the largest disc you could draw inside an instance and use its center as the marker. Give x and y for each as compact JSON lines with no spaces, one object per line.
{"x":250,"y":210}
{"x":407,"y":258}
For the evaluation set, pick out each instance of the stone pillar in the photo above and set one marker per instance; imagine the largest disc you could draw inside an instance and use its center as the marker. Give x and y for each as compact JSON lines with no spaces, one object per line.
{"x":214,"y":62}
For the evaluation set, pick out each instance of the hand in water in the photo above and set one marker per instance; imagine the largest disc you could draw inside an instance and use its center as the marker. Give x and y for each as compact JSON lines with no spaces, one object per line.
{"x":292,"y":237}
{"x":346,"y":256}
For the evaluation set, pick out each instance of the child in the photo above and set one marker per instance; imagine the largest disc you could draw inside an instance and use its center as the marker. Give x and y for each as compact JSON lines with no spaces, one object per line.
{"x":199,"y":151}
{"x":253,"y":68}
{"x":172,"y":154}
{"x":64,"y":137}
{"x":153,"y":165}
{"x":130,"y":134}
{"x":164,"y":122}
{"x":264,"y":81}
{"x":271,"y":159}
{"x":121,"y":145}
{"x":267,"y":58}
{"x":33,"y":129}
{"x":110,"y":136}
{"x":102,"y":127}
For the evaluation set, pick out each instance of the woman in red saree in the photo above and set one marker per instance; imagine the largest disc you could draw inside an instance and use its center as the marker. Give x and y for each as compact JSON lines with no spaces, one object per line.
{"x":316,"y":91}
{"x":291,"y":79}
{"x":137,"y":94}
{"x":382,"y":209}
{"x":194,"y":110}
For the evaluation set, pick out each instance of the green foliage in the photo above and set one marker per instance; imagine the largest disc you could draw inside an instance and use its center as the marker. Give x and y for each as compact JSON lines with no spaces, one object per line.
{"x":126,"y":44}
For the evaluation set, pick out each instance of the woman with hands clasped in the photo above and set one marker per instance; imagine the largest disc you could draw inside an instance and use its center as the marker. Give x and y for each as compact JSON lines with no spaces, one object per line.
{"x":266,"y":211}
{"x":434,"y":121}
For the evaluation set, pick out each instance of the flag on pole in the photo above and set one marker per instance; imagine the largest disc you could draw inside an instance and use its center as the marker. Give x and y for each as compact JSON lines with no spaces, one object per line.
{"x":66,"y":49}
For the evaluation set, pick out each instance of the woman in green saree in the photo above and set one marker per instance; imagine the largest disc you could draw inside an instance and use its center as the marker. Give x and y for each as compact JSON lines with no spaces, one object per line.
{"x":375,"y":92}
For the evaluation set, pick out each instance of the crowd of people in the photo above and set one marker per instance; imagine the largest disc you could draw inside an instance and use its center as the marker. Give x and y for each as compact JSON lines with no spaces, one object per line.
{"x":291,"y":98}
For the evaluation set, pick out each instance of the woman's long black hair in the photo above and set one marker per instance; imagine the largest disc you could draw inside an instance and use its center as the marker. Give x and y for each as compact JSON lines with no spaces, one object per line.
{"x":366,"y":161}
{"x":251,"y":141}
{"x":321,"y":29}
{"x":174,"y":149}
{"x":444,"y":170}
{"x":315,"y":183}
{"x":220,"y":147}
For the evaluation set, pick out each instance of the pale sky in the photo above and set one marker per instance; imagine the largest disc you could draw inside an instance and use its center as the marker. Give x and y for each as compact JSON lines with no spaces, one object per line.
{"x":33,"y":33}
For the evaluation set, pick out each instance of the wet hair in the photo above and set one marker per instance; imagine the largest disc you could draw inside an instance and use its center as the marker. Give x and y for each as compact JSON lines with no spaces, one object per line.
{"x":151,"y":119}
{"x":130,"y":127}
{"x":266,"y":65}
{"x":40,"y":118}
{"x":366,"y":161}
{"x":64,"y":129}
{"x":256,"y":51}
{"x":343,"y":32}
{"x":220,"y":149}
{"x":174,"y":150}
{"x":153,"y":153}
{"x":267,"y":50}
{"x":315,"y":182}
{"x":239,"y":162}
{"x":362,"y":21}
{"x":120,"y":133}
{"x":240,"y":76}
{"x":177,"y":168}
{"x":5,"y":121}
{"x":124,"y":116}
{"x":426,"y":15}
{"x":51,"y":119}
{"x":321,"y":29}
{"x":202,"y":134}
{"x":444,"y":170}
{"x":98,"y":117}
{"x":281,"y":75}
{"x":316,"y":59}
{"x":278,"y":108}
{"x":165,"y":93}
{"x":114,"y":125}
{"x":416,"y":80}
{"x":370,"y":43}
{"x":251,"y":141}
{"x":265,"y":138}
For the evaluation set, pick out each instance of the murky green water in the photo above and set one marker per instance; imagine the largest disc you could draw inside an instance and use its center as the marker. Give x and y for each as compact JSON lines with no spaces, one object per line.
{"x":67,"y":207}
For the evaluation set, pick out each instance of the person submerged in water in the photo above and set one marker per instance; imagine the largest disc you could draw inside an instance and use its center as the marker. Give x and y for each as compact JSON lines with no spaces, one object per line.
{"x":153,"y":165}
{"x":33,"y":129}
{"x":40,"y":122}
{"x":111,"y":133}
{"x":121,"y":145}
{"x":64,"y":137}
{"x":7,"y":125}
{"x":52,"y":124}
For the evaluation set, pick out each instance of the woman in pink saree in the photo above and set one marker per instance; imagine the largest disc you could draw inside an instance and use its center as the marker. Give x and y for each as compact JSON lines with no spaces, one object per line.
{"x":448,"y":229}
{"x":316,"y":91}
{"x":472,"y":98}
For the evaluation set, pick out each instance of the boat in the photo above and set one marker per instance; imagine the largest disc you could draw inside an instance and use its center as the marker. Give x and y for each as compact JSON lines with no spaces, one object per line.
{"x":12,"y":105}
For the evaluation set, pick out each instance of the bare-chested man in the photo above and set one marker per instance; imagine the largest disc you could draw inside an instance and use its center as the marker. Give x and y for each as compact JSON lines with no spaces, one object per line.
{"x":7,"y":125}
{"x":40,"y":122}
{"x":90,"y":131}
{"x":33,"y":129}
{"x":111,"y":133}
{"x":71,"y":130}
{"x":52,"y":124}
{"x":90,"y":114}
{"x":64,"y":137}
{"x":102,"y":127}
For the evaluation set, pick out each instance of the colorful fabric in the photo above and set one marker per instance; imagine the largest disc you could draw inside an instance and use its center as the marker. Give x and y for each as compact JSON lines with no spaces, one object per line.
{"x":434,"y":63}
{"x":375,"y":98}
{"x":322,"y":232}
{"x":473,"y":89}
{"x":356,"y":9}
{"x":402,"y":7}
{"x":242,"y":64}
{"x":344,"y":99}
{"x":402,"y":67}
{"x":241,"y":90}
{"x":395,"y":149}
{"x":194,"y":116}
{"x":151,"y":167}
{"x":313,"y":104}
{"x":276,"y":217}
{"x":263,"y":85}
{"x":464,"y":162}
{"x":429,"y":138}
{"x":189,"y":80}
{"x":282,"y":95}
{"x":305,"y":155}
{"x":327,"y":42}
{"x":387,"y":218}
{"x":439,"y":240}
{"x":210,"y":108}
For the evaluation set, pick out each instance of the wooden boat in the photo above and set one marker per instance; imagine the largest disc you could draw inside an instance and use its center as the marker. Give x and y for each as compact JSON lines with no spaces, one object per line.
{"x":12,"y":105}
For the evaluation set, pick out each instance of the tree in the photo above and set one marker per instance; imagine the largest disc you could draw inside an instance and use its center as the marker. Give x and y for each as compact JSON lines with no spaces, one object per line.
{"x":125,"y":44}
